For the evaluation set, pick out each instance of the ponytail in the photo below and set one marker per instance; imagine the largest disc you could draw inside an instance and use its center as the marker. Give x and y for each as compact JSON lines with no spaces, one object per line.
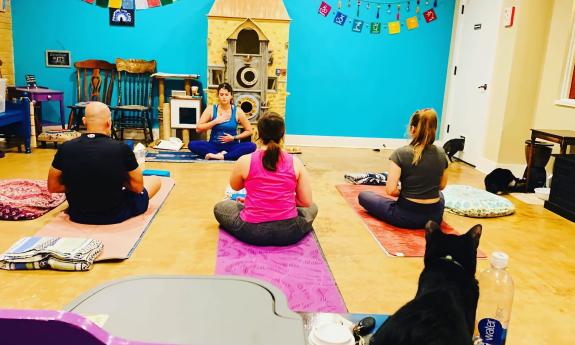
{"x":271,"y":130}
{"x":423,"y":126}
{"x":271,"y":156}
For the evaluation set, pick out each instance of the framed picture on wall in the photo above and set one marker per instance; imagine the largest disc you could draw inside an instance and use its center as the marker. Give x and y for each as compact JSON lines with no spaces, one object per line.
{"x":122,"y":17}
{"x":57,"y":58}
{"x":3,"y":5}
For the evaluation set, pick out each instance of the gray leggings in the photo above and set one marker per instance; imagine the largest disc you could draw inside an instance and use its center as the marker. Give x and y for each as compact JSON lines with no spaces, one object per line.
{"x":275,"y":233}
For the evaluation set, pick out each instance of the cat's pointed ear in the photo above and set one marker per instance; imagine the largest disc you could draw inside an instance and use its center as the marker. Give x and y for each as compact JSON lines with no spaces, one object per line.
{"x":431,"y":227}
{"x":475,"y":234}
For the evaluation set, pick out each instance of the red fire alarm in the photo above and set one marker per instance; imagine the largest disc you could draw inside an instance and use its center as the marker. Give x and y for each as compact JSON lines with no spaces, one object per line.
{"x":509,"y":16}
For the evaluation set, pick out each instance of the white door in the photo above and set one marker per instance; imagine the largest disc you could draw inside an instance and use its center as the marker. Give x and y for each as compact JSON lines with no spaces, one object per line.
{"x":471,"y":72}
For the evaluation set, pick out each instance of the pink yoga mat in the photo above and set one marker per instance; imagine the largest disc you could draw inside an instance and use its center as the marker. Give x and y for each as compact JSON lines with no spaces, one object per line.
{"x":119,"y":240}
{"x":393,"y":240}
{"x":299,"y":270}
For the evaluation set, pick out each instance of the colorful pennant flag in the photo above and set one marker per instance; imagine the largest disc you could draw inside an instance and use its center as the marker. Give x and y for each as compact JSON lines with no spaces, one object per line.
{"x":357,"y":25}
{"x":132,"y":4}
{"x":393,"y":27}
{"x":154,"y":3}
{"x":128,"y":4}
{"x":102,"y":3}
{"x":340,"y":18}
{"x":141,"y":4}
{"x":429,"y":15}
{"x":412,"y":23}
{"x":324,"y":9}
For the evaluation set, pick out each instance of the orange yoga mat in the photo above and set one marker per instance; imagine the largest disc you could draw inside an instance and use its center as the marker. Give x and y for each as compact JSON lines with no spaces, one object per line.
{"x":393,"y":240}
{"x":120,"y":240}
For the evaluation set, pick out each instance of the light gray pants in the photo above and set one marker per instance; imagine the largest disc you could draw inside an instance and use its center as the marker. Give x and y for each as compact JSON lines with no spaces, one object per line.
{"x":275,"y":233}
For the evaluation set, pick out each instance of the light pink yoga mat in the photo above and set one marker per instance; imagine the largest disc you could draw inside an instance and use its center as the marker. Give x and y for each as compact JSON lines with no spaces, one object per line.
{"x":119,"y":240}
{"x":299,"y":270}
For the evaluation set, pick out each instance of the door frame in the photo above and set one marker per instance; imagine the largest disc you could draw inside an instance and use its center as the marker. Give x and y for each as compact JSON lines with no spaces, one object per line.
{"x":448,"y":104}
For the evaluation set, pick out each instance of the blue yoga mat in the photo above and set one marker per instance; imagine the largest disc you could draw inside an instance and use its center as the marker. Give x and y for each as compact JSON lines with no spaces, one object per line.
{"x":172,"y":156}
{"x":179,"y":157}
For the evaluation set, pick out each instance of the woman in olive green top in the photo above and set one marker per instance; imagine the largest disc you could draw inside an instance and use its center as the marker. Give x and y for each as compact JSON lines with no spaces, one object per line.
{"x":420,"y":167}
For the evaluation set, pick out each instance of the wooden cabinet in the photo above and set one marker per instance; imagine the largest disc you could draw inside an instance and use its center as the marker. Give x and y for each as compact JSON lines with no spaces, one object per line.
{"x":562,"y":195}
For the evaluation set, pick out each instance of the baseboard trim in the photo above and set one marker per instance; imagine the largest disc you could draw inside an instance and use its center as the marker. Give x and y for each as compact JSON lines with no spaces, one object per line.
{"x":486,"y":166}
{"x":347,"y":142}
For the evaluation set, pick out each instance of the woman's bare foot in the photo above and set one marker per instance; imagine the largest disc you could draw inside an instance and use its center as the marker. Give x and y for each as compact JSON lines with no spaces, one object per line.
{"x":217,"y":156}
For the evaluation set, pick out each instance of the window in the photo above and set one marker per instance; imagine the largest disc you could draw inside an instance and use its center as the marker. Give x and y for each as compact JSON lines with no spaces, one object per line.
{"x":572,"y":88}
{"x":215,"y":76}
{"x":273,"y":84}
{"x":248,"y":42}
{"x":568,"y":90}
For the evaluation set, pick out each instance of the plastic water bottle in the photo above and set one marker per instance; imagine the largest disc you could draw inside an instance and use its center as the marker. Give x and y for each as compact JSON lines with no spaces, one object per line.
{"x":495,"y":299}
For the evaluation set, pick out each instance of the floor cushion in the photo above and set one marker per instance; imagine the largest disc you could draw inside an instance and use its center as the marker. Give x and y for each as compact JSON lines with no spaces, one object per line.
{"x":22,"y":199}
{"x":473,"y":202}
{"x":58,"y":136}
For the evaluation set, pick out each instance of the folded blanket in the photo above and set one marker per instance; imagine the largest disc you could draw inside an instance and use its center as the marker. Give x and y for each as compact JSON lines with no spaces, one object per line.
{"x":377,"y":179}
{"x":22,"y":199}
{"x":59,"y":253}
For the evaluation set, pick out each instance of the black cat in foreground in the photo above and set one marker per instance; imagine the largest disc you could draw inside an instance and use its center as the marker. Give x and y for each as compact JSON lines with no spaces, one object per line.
{"x":451,"y":147}
{"x":443,"y":310}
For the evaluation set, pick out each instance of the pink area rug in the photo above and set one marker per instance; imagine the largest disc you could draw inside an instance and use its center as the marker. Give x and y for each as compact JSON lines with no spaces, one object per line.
{"x":299,"y":271}
{"x":120,"y":240}
{"x":22,"y":199}
{"x":393,"y":240}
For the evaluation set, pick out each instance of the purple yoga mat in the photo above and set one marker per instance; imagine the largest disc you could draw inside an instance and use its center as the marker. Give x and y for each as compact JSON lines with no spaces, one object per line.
{"x":299,"y":271}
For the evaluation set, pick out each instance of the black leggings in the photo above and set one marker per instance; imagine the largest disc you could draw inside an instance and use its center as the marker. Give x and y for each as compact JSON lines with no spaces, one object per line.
{"x":402,"y":213}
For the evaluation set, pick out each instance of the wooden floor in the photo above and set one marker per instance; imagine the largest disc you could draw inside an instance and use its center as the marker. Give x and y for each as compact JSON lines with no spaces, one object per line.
{"x":182,"y":240}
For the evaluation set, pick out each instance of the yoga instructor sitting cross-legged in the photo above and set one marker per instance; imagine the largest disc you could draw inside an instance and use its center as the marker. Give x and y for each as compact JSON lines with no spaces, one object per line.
{"x":223,"y":119}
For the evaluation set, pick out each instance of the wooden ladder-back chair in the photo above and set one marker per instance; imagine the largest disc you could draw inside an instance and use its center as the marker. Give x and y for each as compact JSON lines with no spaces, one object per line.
{"x":95,"y":82}
{"x":134,"y":109}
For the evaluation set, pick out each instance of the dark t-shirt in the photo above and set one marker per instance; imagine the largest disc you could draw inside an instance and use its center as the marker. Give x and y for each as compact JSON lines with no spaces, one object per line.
{"x":420,"y":181}
{"x":94,"y":169}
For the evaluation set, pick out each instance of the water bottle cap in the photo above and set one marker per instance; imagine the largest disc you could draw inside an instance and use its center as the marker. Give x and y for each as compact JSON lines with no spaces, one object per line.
{"x":499,"y":259}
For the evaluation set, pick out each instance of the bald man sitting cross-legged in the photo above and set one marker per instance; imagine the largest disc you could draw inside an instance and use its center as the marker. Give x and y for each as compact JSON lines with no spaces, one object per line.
{"x":100,"y":175}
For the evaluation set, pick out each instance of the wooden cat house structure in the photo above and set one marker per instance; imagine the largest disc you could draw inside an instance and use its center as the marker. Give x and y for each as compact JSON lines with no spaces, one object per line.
{"x":248,"y":48}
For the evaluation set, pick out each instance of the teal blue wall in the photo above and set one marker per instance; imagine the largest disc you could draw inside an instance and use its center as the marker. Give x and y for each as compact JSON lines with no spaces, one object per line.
{"x":341,"y":83}
{"x":344,"y":83}
{"x":175,"y":36}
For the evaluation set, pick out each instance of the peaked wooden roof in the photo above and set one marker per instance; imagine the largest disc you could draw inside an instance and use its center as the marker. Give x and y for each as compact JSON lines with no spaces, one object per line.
{"x":254,"y":9}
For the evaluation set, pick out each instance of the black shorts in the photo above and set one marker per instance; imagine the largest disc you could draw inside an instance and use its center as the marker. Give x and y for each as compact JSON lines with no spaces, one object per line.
{"x":134,"y":205}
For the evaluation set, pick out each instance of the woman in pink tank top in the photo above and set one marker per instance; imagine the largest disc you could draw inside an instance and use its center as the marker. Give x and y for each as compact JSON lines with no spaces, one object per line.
{"x":278,"y":209}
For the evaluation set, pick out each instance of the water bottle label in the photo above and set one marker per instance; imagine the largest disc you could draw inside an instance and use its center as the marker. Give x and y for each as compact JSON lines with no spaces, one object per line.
{"x":491,"y":332}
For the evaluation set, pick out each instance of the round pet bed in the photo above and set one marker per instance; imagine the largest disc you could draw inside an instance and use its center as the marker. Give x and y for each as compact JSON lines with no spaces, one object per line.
{"x":472,"y":202}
